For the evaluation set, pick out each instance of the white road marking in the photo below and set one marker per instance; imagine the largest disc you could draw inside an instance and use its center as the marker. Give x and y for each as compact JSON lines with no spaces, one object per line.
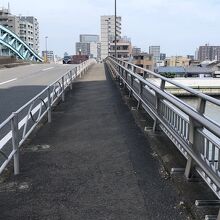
{"x":11,"y":80}
{"x":48,"y":69}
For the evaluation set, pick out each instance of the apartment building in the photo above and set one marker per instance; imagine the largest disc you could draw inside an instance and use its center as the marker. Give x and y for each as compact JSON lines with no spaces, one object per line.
{"x":209,"y":53}
{"x":108,"y":33}
{"x":29,"y":32}
{"x":26,"y":27}
{"x":9,"y":21}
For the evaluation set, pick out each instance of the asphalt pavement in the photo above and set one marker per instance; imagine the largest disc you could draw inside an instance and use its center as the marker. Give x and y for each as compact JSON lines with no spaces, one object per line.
{"x":20,"y":84}
{"x":91,"y":163}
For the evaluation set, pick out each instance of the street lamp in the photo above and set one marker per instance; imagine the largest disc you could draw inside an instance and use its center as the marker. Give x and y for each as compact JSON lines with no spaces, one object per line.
{"x":46,"y":48}
{"x":115,"y":29}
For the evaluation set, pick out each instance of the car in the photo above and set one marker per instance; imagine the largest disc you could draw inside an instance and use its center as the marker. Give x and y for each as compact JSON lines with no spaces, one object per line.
{"x":67,"y":60}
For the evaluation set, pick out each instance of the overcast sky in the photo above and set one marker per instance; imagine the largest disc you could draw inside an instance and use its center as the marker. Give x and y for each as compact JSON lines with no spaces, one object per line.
{"x":178,"y":26}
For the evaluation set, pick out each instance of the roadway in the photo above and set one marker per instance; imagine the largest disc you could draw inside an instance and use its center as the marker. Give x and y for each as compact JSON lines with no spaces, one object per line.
{"x":18,"y":85}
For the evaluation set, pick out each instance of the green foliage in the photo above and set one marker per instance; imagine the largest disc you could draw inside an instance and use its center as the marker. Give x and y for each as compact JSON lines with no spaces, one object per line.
{"x":168,"y":75}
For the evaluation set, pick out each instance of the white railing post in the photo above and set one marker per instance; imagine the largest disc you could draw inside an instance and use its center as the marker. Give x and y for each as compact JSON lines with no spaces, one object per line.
{"x":71,"y":80}
{"x":80,"y":73}
{"x":49,"y":115}
{"x":75,"y":73}
{"x":15,"y":142}
{"x":63,"y":89}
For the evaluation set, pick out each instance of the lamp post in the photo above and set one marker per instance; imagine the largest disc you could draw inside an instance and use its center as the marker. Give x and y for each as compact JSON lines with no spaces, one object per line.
{"x":46,"y":48}
{"x":115,"y":29}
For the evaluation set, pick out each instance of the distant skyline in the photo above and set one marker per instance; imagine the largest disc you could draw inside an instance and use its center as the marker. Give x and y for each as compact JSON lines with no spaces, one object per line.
{"x":178,"y":26}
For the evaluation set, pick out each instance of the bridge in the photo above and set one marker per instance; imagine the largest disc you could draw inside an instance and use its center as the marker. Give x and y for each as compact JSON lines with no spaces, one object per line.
{"x":92,"y":161}
{"x":11,"y":41}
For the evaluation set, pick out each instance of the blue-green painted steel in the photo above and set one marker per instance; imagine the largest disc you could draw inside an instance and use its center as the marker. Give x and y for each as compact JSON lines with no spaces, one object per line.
{"x":18,"y":46}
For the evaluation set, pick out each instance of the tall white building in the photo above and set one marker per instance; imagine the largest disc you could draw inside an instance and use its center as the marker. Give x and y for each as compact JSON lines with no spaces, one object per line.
{"x":29,"y":32}
{"x":108,"y":33}
{"x":94,"y":50}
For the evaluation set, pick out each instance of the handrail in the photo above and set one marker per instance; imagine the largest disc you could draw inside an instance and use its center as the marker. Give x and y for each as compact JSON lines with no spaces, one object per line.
{"x":192,"y":91}
{"x":23,"y":121}
{"x":209,"y":124}
{"x":197,"y":137}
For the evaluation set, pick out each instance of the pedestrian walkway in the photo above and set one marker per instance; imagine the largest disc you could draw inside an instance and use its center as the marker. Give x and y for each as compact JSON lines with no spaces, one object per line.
{"x":91,"y":163}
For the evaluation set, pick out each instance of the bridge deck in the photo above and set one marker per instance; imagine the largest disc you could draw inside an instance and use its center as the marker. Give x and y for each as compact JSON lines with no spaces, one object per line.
{"x":99,"y":164}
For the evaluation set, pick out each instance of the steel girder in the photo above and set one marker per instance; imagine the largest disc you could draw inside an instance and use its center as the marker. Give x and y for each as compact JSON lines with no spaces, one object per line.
{"x":18,"y":46}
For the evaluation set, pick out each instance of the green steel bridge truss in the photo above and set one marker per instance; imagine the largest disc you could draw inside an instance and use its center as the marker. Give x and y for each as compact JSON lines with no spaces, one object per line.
{"x":11,"y":41}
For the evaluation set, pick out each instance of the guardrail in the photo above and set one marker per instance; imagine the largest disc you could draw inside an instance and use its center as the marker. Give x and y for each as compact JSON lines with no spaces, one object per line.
{"x":17,"y":127}
{"x":195,"y":135}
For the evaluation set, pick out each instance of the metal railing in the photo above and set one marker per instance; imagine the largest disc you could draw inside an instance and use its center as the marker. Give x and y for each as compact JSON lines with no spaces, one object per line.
{"x":195,"y":135}
{"x":19,"y":125}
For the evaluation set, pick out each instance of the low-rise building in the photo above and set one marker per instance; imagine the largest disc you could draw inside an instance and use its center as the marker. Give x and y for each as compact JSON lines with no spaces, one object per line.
{"x":177,"y":61}
{"x":197,"y":71}
{"x":171,"y":72}
{"x":136,"y":50}
{"x":163,"y":56}
{"x":159,"y":63}
{"x":213,"y":65}
{"x":191,"y":71}
{"x":48,"y":56}
{"x":124,"y":49}
{"x":191,"y":57}
{"x":216,"y":72}
{"x":144,"y":60}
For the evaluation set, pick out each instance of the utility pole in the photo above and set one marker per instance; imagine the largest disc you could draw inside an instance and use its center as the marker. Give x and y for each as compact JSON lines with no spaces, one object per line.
{"x":115,"y":30}
{"x":46,"y":48}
